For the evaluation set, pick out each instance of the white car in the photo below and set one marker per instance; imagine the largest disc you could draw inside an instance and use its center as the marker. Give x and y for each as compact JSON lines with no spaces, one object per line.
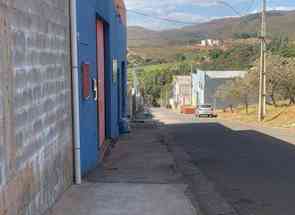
{"x":205,"y":110}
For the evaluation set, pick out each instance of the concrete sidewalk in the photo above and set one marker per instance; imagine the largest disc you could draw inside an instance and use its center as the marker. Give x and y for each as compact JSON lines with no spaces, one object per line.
{"x":139,"y":177}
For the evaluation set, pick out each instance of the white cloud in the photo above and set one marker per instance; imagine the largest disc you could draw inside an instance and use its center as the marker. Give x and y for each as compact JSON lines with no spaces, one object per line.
{"x":166,"y":9}
{"x":185,"y":10}
{"x":136,"y":4}
{"x":143,"y":4}
{"x":285,"y":8}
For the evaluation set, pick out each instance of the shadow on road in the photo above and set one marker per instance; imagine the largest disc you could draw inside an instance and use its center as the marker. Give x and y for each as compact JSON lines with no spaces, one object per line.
{"x":252,"y":170}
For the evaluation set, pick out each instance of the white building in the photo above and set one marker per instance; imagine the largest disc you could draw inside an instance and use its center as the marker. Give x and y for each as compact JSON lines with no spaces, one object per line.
{"x":210,"y":43}
{"x":204,"y":43}
{"x":182,"y":93}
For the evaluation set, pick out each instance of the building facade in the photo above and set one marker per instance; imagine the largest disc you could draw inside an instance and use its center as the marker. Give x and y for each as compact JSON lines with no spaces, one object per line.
{"x":36,"y":103}
{"x":102,"y":59}
{"x":206,"y":83}
{"x":182,"y":86}
{"x":211,"y":43}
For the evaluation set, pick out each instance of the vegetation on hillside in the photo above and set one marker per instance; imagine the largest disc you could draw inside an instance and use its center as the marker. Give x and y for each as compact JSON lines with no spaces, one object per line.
{"x":161,"y":55}
{"x":240,"y":57}
{"x":282,"y":46}
{"x":245,"y":35}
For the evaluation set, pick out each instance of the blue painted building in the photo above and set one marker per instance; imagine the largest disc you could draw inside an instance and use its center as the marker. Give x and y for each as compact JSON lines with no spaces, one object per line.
{"x":101,"y":26}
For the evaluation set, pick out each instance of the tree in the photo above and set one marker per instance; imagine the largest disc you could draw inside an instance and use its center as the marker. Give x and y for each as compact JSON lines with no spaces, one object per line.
{"x":180,"y":57}
{"x":215,"y":53}
{"x":245,"y":35}
{"x":280,"y":77}
{"x":155,"y":78}
{"x":288,"y":82}
{"x":226,"y":92}
{"x":238,"y":91}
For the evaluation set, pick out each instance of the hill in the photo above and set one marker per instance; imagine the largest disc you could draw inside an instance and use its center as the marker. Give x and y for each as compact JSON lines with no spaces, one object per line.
{"x":139,"y":36}
{"x":225,"y":28}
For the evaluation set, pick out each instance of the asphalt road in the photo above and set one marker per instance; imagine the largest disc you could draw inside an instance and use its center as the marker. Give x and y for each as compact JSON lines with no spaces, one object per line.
{"x":250,"y":168}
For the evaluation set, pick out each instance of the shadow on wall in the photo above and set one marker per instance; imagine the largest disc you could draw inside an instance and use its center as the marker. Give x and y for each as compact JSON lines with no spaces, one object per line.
{"x":254,"y":171}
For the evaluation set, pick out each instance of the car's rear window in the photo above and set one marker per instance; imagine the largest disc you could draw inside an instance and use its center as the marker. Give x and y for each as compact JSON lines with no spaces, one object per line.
{"x":205,"y":106}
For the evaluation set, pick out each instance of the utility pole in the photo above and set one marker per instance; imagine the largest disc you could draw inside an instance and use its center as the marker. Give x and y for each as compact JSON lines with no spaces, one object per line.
{"x":192,"y":93}
{"x":262,"y":73}
{"x":167,"y":101}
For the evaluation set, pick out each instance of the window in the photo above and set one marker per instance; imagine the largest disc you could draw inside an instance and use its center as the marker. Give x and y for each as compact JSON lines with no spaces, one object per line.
{"x":115,"y":70}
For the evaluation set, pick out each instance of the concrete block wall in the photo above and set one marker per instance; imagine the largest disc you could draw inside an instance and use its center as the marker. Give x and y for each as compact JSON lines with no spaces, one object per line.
{"x":36,"y":149}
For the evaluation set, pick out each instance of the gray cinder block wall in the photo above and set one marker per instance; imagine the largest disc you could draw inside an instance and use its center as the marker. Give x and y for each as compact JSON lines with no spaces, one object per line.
{"x":36,"y":156}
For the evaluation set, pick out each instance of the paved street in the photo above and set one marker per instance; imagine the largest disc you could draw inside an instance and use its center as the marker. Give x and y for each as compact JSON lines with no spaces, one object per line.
{"x":251,"y":169}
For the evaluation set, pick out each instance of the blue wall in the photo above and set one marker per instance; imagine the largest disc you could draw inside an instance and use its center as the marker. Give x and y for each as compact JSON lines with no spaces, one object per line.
{"x":198,"y":88}
{"x":88,"y":11}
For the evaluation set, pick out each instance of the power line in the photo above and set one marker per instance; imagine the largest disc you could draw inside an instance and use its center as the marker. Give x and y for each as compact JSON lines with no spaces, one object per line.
{"x":235,"y":10}
{"x":250,"y":7}
{"x":230,"y":7}
{"x":224,"y":3}
{"x":161,"y":18}
{"x":191,"y":23}
{"x":244,"y":19}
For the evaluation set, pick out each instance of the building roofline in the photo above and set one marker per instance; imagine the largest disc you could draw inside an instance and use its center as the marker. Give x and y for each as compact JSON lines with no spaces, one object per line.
{"x":121,"y":10}
{"x":224,"y":73}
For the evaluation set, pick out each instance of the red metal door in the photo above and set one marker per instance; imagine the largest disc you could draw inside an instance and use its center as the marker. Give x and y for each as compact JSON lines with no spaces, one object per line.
{"x":101,"y":80}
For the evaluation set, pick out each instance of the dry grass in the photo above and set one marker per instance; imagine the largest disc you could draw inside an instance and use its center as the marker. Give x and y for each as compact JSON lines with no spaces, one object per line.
{"x":283,"y":116}
{"x":162,"y":52}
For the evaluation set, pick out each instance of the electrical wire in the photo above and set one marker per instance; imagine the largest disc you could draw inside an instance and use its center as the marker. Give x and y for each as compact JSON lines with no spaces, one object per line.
{"x":156,"y":17}
{"x":242,"y":15}
{"x":224,"y":3}
{"x":161,"y":18}
{"x":230,"y":7}
{"x":253,"y":2}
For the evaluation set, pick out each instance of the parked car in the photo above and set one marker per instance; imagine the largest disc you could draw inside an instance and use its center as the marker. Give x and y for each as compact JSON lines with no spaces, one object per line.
{"x":205,"y":110}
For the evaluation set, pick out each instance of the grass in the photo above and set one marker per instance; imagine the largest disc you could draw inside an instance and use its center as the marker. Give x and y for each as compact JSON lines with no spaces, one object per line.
{"x":282,"y":116}
{"x":168,"y":53}
{"x":157,"y":66}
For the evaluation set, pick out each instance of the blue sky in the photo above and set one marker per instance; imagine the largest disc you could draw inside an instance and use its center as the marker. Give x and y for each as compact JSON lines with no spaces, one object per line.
{"x":193,"y":11}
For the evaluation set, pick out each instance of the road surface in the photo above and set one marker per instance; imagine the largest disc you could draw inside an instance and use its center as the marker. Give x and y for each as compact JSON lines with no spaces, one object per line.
{"x":252,"y":168}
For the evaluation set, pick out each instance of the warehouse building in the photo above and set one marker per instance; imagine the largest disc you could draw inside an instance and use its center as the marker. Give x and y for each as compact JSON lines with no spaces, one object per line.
{"x":206,"y":83}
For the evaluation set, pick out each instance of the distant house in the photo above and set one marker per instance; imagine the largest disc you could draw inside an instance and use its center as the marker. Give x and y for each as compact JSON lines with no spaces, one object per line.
{"x":182,"y":93}
{"x":205,"y":85}
{"x":204,"y":43}
{"x":211,"y":43}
